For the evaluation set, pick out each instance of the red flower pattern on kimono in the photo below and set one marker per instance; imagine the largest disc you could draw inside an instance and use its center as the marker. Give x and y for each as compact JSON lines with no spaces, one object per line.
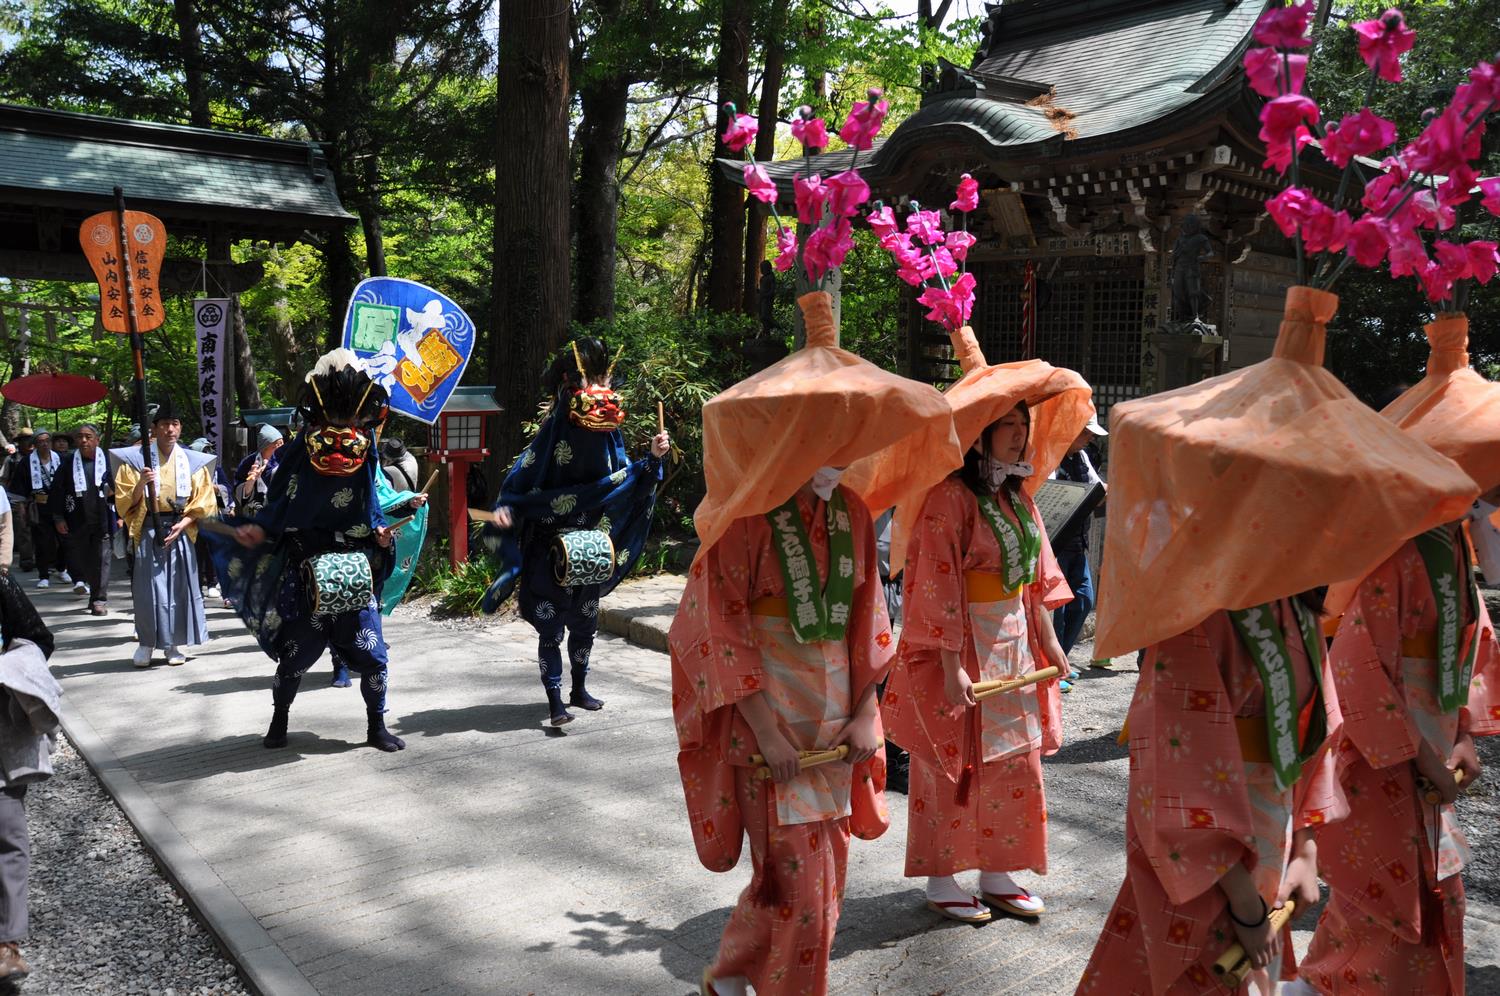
{"x":1007,"y":795}
{"x":1380,"y":861}
{"x":1196,"y":808}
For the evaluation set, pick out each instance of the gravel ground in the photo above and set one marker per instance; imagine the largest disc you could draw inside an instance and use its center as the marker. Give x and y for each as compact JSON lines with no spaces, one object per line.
{"x":103,"y":920}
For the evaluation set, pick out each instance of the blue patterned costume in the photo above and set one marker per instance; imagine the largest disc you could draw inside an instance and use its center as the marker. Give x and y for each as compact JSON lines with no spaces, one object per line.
{"x":568,"y":478}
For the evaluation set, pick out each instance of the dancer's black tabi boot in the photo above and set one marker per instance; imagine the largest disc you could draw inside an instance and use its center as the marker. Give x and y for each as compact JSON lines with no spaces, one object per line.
{"x":379,"y":736}
{"x":560,"y":715}
{"x":581,"y":698}
{"x":276,"y":735}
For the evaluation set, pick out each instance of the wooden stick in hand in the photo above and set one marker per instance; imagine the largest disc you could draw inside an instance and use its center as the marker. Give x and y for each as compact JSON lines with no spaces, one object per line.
{"x":1233,"y":965}
{"x":807,"y":758}
{"x":985,"y":689}
{"x":431,"y":483}
{"x":1430,"y":794}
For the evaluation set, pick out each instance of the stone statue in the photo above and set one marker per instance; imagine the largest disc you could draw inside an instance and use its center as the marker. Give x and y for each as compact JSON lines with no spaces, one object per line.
{"x":1189,"y":299}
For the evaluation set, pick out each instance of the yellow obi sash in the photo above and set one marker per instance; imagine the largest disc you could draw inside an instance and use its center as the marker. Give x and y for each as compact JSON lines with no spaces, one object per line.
{"x":1422,"y":646}
{"x":987,"y":586}
{"x":770,"y":605}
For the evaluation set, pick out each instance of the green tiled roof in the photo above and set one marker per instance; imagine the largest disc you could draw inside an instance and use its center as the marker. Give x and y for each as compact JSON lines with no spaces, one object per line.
{"x":56,"y":157}
{"x":1122,"y":70}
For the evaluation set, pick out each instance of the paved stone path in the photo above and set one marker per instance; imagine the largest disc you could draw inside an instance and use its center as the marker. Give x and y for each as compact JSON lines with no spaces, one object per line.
{"x":493,"y":856}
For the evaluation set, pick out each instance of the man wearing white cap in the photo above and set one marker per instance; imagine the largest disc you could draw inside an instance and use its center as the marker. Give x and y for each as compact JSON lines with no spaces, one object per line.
{"x":1073,"y":551}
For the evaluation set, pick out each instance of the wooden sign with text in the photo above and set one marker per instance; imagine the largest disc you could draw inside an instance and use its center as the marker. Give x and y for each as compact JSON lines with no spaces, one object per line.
{"x":146,"y":238}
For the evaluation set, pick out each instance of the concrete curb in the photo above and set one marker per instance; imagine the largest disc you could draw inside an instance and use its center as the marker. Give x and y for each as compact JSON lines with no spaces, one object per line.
{"x":265,"y":968}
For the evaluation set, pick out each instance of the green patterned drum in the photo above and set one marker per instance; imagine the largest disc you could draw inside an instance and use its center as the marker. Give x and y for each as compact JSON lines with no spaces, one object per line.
{"x":581,"y":557}
{"x":338,"y":582}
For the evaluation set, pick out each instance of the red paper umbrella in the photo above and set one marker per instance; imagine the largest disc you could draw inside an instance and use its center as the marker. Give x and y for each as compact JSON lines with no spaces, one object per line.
{"x":54,"y":391}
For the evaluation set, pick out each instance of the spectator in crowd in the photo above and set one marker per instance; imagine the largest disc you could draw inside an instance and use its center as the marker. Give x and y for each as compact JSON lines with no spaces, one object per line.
{"x":79,"y":510}
{"x":32,"y":479}
{"x":62,"y":444}
{"x":208,"y":578}
{"x":28,"y":735}
{"x":252,"y":479}
{"x":399,"y":465}
{"x":1073,"y":551}
{"x":13,"y":474}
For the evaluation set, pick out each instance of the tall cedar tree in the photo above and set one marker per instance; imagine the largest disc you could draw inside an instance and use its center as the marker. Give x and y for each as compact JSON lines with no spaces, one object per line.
{"x":726,"y":199}
{"x":530,"y":300}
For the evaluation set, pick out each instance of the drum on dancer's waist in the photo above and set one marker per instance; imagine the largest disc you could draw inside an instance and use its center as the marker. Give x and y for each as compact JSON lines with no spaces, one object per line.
{"x":582,"y":557}
{"x":339,"y":581}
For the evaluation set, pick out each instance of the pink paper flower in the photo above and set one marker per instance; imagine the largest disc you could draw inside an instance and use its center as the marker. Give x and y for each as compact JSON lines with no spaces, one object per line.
{"x":741,"y":130}
{"x":1326,"y":230}
{"x":1480,"y":93}
{"x":1436,"y":281}
{"x":1264,"y":69}
{"x":926,"y":227}
{"x":1382,"y":42}
{"x":759,"y":184}
{"x":1292,"y":208}
{"x":968,"y":195}
{"x":827,"y":247}
{"x":913,"y":264}
{"x":958,"y":244}
{"x":864,"y":121}
{"x":847,"y":192}
{"x":809,"y":191}
{"x":1285,"y":27}
{"x":1453,"y":257}
{"x":1484,"y":260}
{"x":944,"y":261}
{"x":1444,"y":145}
{"x":1359,"y":134}
{"x":1367,"y":241}
{"x":883,"y":224}
{"x":1491,"y":190}
{"x":950,"y":308}
{"x":1284,"y":128}
{"x":1384,"y":191}
{"x":810,"y":131}
{"x":1458,"y":187}
{"x":1407,"y":255}
{"x":786,"y":249}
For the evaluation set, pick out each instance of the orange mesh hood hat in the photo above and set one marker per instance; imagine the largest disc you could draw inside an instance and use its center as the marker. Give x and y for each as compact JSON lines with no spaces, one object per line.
{"x":819,"y":407}
{"x":1060,"y":405}
{"x":1256,"y":485}
{"x":1453,"y":408}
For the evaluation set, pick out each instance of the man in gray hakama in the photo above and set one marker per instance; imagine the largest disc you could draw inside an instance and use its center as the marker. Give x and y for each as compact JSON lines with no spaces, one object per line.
{"x":168,"y":603}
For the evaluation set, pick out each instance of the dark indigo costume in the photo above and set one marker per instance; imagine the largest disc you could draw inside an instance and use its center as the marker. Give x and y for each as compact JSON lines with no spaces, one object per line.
{"x":569,"y":477}
{"x":308,"y":513}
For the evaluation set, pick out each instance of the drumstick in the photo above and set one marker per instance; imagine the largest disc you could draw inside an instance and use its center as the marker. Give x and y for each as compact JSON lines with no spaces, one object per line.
{"x":431,"y":480}
{"x":985,"y":689}
{"x":1233,"y":964}
{"x":481,"y":515}
{"x":661,"y":419}
{"x":807,"y":758}
{"x":400,"y":524}
{"x":1430,"y":794}
{"x":217,"y":525}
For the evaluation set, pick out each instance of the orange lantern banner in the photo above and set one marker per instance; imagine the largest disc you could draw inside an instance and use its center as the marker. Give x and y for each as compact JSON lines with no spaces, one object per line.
{"x":130,"y":279}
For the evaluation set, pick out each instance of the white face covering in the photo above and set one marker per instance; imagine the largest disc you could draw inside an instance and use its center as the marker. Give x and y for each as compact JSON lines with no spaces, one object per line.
{"x":996,"y":471}
{"x":1486,"y":540}
{"x":824,"y":480}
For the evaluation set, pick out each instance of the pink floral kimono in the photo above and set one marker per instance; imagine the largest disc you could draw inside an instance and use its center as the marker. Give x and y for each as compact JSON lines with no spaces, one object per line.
{"x":1199,"y":802}
{"x":976,"y":798}
{"x":1396,"y":917}
{"x":731,"y":638}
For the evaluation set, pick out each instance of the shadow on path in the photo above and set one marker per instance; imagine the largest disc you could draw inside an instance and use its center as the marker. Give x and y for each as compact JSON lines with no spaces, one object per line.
{"x":482,"y":718}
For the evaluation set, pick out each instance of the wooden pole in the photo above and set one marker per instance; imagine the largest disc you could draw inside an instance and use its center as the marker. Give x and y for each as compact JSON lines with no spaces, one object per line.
{"x":138,"y":357}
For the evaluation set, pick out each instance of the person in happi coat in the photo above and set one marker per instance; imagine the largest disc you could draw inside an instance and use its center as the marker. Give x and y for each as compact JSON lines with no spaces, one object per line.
{"x":573,"y":478}
{"x":82,"y":513}
{"x":980,"y":585}
{"x":307,"y":569}
{"x":1418,"y":677}
{"x":780,"y":640}
{"x":252,"y":478}
{"x":166,"y":599}
{"x":1217,"y":552}
{"x":32,"y":479}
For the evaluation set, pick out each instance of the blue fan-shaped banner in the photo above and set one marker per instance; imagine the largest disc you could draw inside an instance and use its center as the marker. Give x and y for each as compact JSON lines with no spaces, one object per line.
{"x":414,"y":341}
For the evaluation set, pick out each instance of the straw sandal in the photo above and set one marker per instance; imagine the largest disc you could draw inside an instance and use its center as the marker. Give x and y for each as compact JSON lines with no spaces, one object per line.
{"x":972,"y":911}
{"x":1006,"y":902}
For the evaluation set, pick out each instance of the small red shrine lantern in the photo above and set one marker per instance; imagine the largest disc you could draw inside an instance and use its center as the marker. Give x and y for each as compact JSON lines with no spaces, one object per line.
{"x":458,"y":441}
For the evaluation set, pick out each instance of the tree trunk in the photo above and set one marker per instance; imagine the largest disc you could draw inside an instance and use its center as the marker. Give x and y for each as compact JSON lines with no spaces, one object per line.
{"x":20,"y":366}
{"x":245,"y":387}
{"x":530,"y":300}
{"x":756,"y":213}
{"x":286,"y":351}
{"x":369,"y":217}
{"x":190,"y":44}
{"x":726,"y":199}
{"x":601,"y":138}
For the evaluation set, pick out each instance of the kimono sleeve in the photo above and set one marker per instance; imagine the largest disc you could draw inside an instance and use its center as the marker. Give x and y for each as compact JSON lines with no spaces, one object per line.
{"x":868,"y":635}
{"x":126,"y":499}
{"x":201,"y":498}
{"x":1481,"y":716}
{"x":1188,"y":794}
{"x":1365,"y":655}
{"x":934,"y":571}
